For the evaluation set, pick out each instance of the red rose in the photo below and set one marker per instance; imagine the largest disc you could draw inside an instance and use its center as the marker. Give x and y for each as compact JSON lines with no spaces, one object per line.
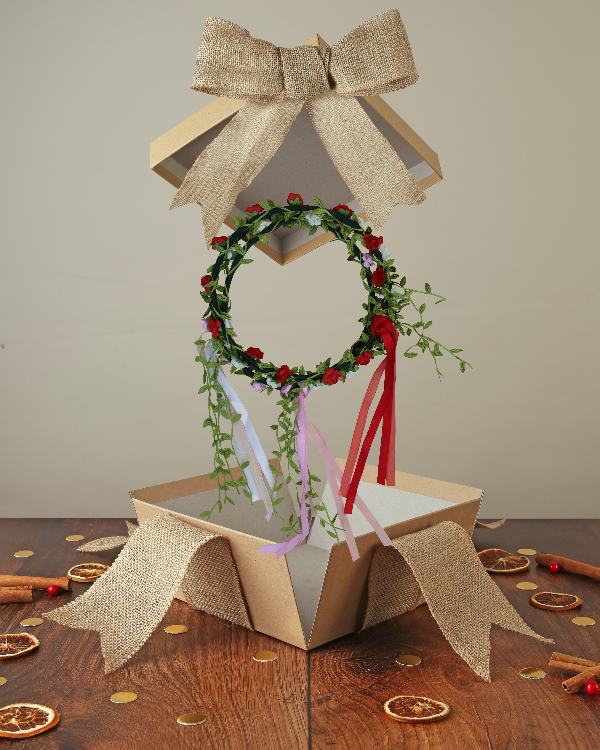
{"x":252,"y":351}
{"x":373,"y":242}
{"x":218,"y":241}
{"x":255,"y":209}
{"x":331,"y":376}
{"x":204,"y":281}
{"x":294,"y":199}
{"x":283,"y":373}
{"x":378,"y":278}
{"x":213,"y":326}
{"x":344,"y":210}
{"x":364,"y":359}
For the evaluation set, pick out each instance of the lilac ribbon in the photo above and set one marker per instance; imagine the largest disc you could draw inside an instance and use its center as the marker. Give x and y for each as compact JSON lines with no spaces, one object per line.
{"x":334,"y":478}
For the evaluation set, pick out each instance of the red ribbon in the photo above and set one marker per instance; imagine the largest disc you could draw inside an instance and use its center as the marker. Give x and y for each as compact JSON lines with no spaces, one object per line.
{"x":385,"y":412}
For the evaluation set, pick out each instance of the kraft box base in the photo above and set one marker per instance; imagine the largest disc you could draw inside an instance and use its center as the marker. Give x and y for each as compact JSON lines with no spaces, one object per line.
{"x":315,"y":593}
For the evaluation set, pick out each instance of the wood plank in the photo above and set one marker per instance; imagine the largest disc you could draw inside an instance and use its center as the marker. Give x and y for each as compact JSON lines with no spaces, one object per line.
{"x":352,"y":677}
{"x":208,"y":669}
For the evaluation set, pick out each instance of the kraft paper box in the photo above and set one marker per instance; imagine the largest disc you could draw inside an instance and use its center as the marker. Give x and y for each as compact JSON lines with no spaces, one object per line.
{"x":315,"y":593}
{"x":301,"y":165}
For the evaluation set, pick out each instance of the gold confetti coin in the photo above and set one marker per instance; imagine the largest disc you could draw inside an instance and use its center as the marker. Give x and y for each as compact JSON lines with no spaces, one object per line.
{"x":265,"y":656}
{"x":3,"y":680}
{"x":24,"y":553}
{"x":532,"y":673}
{"x":583,"y":621}
{"x":527,"y":551}
{"x":75,"y":538}
{"x":87,"y":572}
{"x":527,"y":586}
{"x":176,"y":629}
{"x":408,"y":660}
{"x":31,"y":622}
{"x":123,"y":697}
{"x":415,"y":709}
{"x":191,"y":720}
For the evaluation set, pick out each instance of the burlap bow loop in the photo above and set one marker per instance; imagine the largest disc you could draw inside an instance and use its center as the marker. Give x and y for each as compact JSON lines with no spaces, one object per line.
{"x":276,"y":82}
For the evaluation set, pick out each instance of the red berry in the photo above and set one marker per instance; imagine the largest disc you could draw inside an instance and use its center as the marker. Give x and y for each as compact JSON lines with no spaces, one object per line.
{"x":592,"y":688}
{"x":53,"y":590}
{"x":554,"y":567}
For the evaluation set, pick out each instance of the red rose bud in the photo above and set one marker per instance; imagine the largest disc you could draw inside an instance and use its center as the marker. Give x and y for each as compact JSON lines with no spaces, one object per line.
{"x":331,"y":376}
{"x":344,"y":210}
{"x":204,"y":281}
{"x":252,"y":351}
{"x":255,"y":209}
{"x":378,"y":278}
{"x":294,"y":199}
{"x":218,"y":241}
{"x":373,"y":242}
{"x":283,"y":373}
{"x":364,"y":359}
{"x":213,"y":326}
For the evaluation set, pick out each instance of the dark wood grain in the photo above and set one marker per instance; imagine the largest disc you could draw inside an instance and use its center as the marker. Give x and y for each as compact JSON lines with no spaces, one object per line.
{"x":353,"y":677}
{"x":264,"y":706}
{"x":208,"y":669}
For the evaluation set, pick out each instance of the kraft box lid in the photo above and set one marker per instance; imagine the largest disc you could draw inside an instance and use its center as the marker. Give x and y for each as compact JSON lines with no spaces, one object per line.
{"x":301,"y":165}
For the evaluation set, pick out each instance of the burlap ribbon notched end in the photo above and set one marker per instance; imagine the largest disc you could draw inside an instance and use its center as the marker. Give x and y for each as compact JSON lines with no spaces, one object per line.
{"x":127,"y":603}
{"x":441,"y":565}
{"x":276,"y":82}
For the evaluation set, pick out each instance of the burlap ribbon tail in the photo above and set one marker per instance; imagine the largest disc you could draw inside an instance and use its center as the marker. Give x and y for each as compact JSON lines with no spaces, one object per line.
{"x":127,"y":603}
{"x":440,"y":563}
{"x":276,"y":83}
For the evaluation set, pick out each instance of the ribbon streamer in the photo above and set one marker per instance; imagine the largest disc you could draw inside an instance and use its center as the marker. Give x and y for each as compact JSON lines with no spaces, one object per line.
{"x":276,"y":82}
{"x":385,"y":412}
{"x":260,"y":478}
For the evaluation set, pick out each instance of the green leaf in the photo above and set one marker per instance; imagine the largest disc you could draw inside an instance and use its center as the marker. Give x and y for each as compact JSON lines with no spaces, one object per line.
{"x":429,"y":322}
{"x":427,"y":288}
{"x":320,"y":507}
{"x":205,"y":514}
{"x":236,"y":418}
{"x":410,"y":354}
{"x":245,"y":465}
{"x":246,"y":260}
{"x":403,"y":281}
{"x":332,"y":534}
{"x":277,"y":501}
{"x":248,"y":494}
{"x":462,"y":366}
{"x":322,"y":522}
{"x":455,"y":351}
{"x":422,"y":308}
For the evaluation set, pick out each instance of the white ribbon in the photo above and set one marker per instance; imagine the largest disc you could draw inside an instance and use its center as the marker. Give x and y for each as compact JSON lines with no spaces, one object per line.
{"x":253,"y":440}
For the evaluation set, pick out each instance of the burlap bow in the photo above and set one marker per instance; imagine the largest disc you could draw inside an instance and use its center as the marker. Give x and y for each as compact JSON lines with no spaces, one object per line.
{"x":276,"y":82}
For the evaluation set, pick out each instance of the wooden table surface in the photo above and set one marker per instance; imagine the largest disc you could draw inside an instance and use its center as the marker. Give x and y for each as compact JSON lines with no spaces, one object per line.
{"x":330,"y":698}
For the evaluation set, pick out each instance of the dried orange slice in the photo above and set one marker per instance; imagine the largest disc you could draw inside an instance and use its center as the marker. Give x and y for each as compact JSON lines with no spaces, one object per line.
{"x":552,"y":600}
{"x":17,"y":644}
{"x":26,"y":719}
{"x":415,"y":709}
{"x":501,"y":561}
{"x":87,"y":572}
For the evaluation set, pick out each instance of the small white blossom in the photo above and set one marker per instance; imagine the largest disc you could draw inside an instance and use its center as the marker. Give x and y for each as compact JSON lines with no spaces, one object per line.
{"x":262,"y":226}
{"x":351,"y":373}
{"x":313,"y":219}
{"x":272,"y":383}
{"x":228,"y":323}
{"x":237,"y":363}
{"x":314,"y":387}
{"x":385,"y":253}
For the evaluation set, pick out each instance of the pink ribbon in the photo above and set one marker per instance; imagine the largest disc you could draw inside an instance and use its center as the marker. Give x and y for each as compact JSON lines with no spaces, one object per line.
{"x":334,"y":478}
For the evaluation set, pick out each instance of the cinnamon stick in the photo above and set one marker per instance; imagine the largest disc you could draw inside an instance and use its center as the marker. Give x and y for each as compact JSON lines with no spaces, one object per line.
{"x":578,"y":682}
{"x":35,"y":582}
{"x":571,"y":663}
{"x":9,"y":594}
{"x":570,"y":566}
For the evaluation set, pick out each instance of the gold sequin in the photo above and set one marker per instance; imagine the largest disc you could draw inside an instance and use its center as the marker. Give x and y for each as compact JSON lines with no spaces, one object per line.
{"x":24,"y":553}
{"x":527,"y":586}
{"x":532,"y":673}
{"x":75,"y":538}
{"x":408,"y":660}
{"x":583,"y":621}
{"x":31,"y":622}
{"x":190,"y":720}
{"x":265,"y":656}
{"x":123,"y":697}
{"x":174,"y":629}
{"x":527,"y":551}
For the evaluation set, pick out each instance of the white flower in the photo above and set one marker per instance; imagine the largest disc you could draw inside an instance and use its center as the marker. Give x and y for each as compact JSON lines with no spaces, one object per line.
{"x":351,"y":373}
{"x":237,"y":363}
{"x":385,"y":253}
{"x":272,"y":383}
{"x":262,"y":226}
{"x":362,"y":223}
{"x":230,"y":255}
{"x":228,"y":323}
{"x":313,"y":219}
{"x":314,"y":387}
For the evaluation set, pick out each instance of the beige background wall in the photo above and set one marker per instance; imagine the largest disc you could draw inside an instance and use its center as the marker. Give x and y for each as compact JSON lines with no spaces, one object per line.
{"x":99,"y":299}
